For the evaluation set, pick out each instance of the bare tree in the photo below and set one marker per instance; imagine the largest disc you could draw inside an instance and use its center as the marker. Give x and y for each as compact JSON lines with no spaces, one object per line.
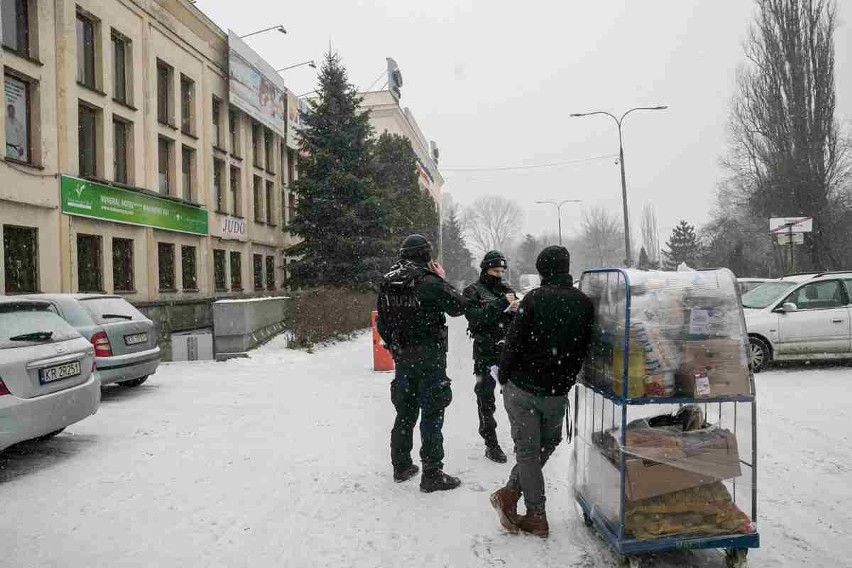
{"x":492,"y":222}
{"x":787,"y":158}
{"x":601,"y":243}
{"x":650,"y":234}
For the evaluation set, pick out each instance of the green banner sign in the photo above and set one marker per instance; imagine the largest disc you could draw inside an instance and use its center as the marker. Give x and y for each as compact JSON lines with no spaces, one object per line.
{"x":85,"y":198}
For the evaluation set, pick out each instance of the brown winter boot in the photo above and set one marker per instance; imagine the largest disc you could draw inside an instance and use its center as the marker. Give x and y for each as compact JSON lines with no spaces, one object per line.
{"x":535,"y":523}
{"x":505,"y":502}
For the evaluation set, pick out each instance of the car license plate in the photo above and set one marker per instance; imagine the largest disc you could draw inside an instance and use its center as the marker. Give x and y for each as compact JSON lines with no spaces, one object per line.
{"x":136,"y":339}
{"x":59,"y":372}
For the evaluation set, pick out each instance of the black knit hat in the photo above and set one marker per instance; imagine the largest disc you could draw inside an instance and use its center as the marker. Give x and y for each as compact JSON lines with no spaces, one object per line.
{"x":493,"y":259}
{"x":553,"y":260}
{"x":416,"y":247}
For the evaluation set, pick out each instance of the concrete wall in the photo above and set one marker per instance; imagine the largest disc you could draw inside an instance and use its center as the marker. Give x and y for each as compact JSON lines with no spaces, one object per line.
{"x":242,"y":325}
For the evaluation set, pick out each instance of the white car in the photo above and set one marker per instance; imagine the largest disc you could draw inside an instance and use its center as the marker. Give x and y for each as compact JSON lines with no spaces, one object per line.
{"x":749,"y":284}
{"x":800,"y":317}
{"x":47,"y":373}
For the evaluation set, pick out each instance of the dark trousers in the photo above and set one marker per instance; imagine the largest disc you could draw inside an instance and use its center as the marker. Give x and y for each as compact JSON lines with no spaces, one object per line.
{"x":421,"y":388}
{"x":536,"y":430}
{"x":486,"y":405}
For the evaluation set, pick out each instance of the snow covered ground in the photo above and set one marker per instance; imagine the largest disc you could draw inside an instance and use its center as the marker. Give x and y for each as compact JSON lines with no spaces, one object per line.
{"x":282,"y":460}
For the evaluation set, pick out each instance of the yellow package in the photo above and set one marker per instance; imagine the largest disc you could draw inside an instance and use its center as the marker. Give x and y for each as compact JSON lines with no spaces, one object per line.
{"x":636,"y":370}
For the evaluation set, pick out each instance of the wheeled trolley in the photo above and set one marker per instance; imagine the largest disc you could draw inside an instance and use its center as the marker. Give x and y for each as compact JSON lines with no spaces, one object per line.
{"x":665,"y":416}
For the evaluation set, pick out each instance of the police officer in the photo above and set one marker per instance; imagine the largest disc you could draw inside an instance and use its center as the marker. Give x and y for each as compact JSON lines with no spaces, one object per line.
{"x":413,"y":300}
{"x":493,"y":305}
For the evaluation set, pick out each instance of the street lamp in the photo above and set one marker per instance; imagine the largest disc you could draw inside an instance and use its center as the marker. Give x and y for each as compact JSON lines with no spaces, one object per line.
{"x":559,"y":212}
{"x":618,"y":122}
{"x":312,"y":64}
{"x":279,"y":28}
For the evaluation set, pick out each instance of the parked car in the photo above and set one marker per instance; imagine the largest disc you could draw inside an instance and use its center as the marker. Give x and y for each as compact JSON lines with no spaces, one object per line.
{"x":800,"y":317}
{"x":749,"y":284}
{"x":529,"y":282}
{"x":125,"y":341}
{"x":48,"y":379}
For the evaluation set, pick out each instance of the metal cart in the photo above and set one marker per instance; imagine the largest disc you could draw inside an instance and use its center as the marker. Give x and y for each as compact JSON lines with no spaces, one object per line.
{"x":605,"y":404}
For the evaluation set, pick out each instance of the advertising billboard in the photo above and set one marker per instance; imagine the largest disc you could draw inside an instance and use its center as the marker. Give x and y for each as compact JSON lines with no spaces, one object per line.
{"x":255,"y":88}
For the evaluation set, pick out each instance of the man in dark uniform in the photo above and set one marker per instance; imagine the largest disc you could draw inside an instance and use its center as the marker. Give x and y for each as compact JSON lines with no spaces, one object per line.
{"x":493,"y":305}
{"x":545,"y":349}
{"x":413,"y":298}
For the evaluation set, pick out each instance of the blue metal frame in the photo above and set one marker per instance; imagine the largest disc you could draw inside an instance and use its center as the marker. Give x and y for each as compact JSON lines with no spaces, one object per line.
{"x":615,"y":535}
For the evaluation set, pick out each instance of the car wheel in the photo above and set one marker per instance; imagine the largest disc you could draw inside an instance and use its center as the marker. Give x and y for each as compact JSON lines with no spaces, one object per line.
{"x":51,"y":435}
{"x":760,"y":354}
{"x":133,"y":382}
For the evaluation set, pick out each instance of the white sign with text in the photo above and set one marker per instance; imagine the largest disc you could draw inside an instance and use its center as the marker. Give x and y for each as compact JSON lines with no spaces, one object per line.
{"x":233,"y":228}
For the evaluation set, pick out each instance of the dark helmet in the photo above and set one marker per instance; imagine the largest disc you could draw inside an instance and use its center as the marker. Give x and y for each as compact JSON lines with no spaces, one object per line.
{"x":553,"y":260}
{"x":416,"y":247}
{"x":493,"y":259}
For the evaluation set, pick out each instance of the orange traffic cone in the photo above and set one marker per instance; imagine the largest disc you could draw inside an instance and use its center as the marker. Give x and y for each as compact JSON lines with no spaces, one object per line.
{"x":382,"y":359}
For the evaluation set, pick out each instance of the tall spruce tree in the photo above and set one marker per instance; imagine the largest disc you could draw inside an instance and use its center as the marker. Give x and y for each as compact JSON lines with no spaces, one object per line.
{"x":339,"y":219}
{"x":644,"y":261}
{"x":682,"y":247}
{"x":527,"y":255}
{"x":458,"y":262}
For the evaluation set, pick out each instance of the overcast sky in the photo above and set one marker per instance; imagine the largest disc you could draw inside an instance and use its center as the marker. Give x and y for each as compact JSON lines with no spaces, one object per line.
{"x":493,"y":84}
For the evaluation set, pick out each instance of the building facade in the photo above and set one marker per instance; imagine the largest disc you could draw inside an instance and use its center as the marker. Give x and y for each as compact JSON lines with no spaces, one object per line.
{"x":126,"y":168}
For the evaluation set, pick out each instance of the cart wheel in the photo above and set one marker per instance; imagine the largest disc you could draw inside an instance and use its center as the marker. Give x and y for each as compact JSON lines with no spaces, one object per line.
{"x":587,"y":520}
{"x":629,"y":562}
{"x":736,"y":557}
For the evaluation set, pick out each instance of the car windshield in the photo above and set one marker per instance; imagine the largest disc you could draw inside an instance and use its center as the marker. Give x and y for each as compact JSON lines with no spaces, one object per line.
{"x":24,"y":325}
{"x":110,"y":310}
{"x":765,"y":294}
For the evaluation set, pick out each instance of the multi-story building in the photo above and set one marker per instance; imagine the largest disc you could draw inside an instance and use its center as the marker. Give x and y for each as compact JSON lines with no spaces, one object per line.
{"x":131,"y":166}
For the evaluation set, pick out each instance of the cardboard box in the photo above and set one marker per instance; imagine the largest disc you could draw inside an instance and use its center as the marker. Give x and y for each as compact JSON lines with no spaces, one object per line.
{"x":645,"y":479}
{"x":713,"y":367}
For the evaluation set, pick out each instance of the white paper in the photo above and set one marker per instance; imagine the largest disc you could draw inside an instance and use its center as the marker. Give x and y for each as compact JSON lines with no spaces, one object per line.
{"x":698,"y":322}
{"x":495,"y":371}
{"x":702,"y":385}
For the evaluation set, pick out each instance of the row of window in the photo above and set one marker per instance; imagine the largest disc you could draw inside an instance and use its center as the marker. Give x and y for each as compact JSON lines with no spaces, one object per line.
{"x":20,"y":265}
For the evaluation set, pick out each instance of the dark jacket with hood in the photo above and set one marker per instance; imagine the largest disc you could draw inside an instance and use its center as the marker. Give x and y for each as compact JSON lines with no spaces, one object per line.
{"x":424,"y":332}
{"x":548,"y":341}
{"x":488,"y":320}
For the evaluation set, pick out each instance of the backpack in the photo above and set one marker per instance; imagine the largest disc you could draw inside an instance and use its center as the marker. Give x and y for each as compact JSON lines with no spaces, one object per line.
{"x":399,"y":304}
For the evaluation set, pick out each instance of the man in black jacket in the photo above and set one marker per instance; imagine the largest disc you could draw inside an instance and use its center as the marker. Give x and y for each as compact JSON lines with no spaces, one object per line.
{"x":413,"y":298}
{"x":493,"y":305}
{"x":545,"y":349}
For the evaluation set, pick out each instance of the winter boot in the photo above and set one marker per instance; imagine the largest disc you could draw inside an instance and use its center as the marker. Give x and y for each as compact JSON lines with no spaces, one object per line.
{"x":437,"y":480}
{"x":495,"y":453}
{"x":505,"y":502}
{"x":535,"y":523}
{"x":404,"y":473}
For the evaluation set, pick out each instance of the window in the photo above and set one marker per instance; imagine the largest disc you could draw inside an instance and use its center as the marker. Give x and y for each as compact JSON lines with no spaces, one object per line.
{"x":188,"y":268}
{"x":15,"y":18}
{"x":187,"y":100}
{"x":216,"y":120}
{"x":20,"y":257}
{"x":187,"y":169}
{"x":122,"y":265}
{"x":256,"y":144}
{"x":18,"y":127}
{"x":87,"y":134}
{"x":220,"y":270}
{"x":120,"y":63}
{"x":270,"y":202}
{"x":291,"y":206}
{"x":234,"y":129}
{"x":819,"y":296}
{"x":270,"y":273}
{"x":218,"y":189}
{"x":270,"y":163}
{"x":121,"y":136}
{"x":164,"y":93}
{"x":86,"y":52}
{"x":258,"y":200}
{"x":236,"y":271}
{"x":291,"y":166}
{"x":258,"y":271}
{"x":284,"y":218}
{"x":166,"y":263}
{"x":89,"y":264}
{"x":164,"y":159}
{"x":235,"y":191}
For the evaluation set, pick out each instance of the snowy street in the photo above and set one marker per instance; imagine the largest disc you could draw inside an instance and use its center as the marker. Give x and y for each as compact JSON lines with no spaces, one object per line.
{"x":282,"y":460}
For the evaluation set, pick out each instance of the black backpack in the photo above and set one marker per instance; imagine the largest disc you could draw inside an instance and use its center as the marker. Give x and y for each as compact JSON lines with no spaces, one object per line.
{"x":399,"y":304}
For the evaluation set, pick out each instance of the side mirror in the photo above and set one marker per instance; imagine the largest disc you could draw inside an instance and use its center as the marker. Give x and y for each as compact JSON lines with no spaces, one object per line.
{"x":788,"y":307}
